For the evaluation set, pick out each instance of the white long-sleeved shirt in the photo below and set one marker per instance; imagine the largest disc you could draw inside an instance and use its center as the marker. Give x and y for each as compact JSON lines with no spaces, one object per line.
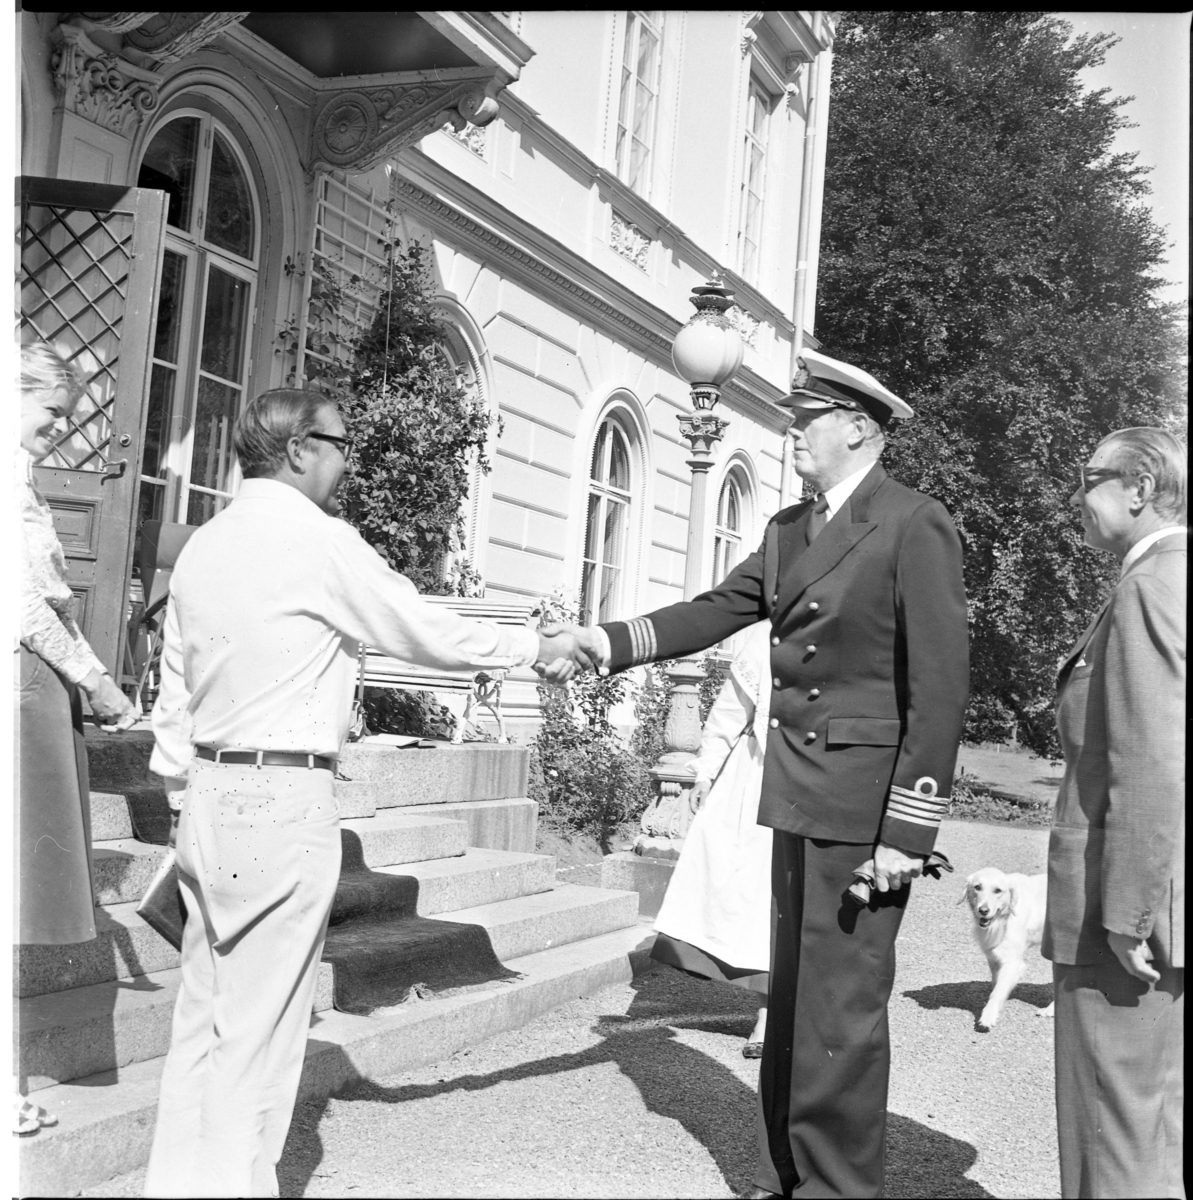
{"x":47,"y":627}
{"x":269,"y":603}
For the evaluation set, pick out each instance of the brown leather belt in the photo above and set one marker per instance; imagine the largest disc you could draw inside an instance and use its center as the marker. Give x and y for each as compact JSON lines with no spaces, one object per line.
{"x":266,"y":758}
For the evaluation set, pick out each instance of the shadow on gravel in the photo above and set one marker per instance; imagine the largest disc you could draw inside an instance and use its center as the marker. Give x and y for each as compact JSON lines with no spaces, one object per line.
{"x":972,"y":997}
{"x":924,"y":1162}
{"x":675,"y":1080}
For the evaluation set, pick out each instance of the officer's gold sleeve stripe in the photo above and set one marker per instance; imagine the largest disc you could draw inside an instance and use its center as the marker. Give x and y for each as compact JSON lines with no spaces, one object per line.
{"x":899,"y":816}
{"x":923,"y":806}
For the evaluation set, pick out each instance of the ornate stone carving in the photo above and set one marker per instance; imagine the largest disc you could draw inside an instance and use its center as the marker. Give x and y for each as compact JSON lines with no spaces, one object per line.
{"x":748,"y":37}
{"x":630,"y":242}
{"x":472,"y":136}
{"x":701,"y":430}
{"x":116,"y":22}
{"x":170,"y":36}
{"x":354,"y":130}
{"x":746,"y":325}
{"x":101,"y":87}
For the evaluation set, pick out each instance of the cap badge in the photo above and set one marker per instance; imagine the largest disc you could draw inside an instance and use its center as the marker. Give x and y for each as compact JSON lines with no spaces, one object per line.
{"x":802,"y":376}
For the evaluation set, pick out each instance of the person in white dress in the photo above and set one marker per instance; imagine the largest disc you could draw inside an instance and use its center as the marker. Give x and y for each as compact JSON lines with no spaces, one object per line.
{"x":715,"y":917}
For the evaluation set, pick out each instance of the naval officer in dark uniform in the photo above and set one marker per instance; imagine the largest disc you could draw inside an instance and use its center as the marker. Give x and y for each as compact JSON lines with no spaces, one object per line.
{"x":869,"y":662}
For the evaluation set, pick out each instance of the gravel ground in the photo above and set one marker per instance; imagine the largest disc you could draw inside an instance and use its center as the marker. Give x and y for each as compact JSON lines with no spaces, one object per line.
{"x":641,"y":1090}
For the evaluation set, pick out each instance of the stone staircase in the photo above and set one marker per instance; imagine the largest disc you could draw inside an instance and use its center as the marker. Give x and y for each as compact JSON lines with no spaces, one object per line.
{"x":93,"y":1019}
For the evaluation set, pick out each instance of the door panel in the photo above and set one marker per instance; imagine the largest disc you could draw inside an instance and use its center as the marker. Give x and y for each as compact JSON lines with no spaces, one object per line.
{"x":91,"y":259}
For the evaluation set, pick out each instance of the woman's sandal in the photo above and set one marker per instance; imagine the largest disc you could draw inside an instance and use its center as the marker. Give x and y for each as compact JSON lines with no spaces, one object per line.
{"x":28,"y":1117}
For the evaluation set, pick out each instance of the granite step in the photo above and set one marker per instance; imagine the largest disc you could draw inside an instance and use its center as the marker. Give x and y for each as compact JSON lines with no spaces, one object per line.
{"x":568,"y":913}
{"x":442,"y":774}
{"x":110,"y":819}
{"x":124,"y":868}
{"x":126,"y":947}
{"x":105,"y":1121}
{"x":71,"y":1034}
{"x":68,"y":1035}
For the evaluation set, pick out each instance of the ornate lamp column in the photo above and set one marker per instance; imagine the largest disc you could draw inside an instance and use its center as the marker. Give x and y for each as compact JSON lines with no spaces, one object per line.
{"x":706,"y":353}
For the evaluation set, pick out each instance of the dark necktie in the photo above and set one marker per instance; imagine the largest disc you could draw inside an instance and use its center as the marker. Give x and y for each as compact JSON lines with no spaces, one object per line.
{"x":818,"y":520}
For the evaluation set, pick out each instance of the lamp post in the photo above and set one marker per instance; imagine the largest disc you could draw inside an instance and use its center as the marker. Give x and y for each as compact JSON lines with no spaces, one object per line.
{"x":706,"y":353}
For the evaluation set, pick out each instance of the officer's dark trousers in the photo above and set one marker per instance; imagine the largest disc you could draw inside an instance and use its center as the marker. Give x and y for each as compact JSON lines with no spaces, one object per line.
{"x":826,"y":1062}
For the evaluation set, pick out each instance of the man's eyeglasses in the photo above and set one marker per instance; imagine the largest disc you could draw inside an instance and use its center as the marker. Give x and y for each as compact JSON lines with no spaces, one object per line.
{"x":1092,"y":476}
{"x":342,"y":444}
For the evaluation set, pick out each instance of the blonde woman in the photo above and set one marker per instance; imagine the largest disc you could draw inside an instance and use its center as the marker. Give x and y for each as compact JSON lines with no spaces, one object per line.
{"x":54,"y":897}
{"x":715,"y":917}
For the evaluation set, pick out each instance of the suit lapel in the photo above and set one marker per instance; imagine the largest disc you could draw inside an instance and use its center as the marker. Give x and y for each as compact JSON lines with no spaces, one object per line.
{"x":800,"y":565}
{"x":1074,"y":655}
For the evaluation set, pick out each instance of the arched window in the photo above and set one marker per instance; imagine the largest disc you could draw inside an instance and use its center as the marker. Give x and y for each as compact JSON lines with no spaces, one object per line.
{"x":607,"y":529}
{"x":727,"y":537}
{"x":204,"y":320}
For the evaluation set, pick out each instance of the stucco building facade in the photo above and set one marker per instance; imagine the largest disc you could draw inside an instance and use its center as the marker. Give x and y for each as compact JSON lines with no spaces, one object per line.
{"x":574,"y":175}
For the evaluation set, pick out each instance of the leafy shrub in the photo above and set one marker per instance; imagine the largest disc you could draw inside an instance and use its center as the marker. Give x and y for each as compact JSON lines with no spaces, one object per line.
{"x":583,"y":777}
{"x":972,"y":801}
{"x":413,"y":714}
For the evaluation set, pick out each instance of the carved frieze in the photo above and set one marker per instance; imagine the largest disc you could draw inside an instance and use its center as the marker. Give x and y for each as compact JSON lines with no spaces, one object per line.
{"x":472,"y":136}
{"x":745,"y":323}
{"x":630,"y":242}
{"x":353,"y":130}
{"x":170,"y":36}
{"x":101,"y":87}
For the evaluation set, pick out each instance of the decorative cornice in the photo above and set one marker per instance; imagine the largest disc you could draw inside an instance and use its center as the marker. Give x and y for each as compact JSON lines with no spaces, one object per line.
{"x":99,"y":86}
{"x":750,"y":393}
{"x":169,"y":36}
{"x":633,"y":208}
{"x":446,"y":215}
{"x":354,"y":130}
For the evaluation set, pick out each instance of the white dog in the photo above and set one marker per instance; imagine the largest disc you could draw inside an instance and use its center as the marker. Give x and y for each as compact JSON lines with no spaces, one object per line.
{"x":1008,"y":920}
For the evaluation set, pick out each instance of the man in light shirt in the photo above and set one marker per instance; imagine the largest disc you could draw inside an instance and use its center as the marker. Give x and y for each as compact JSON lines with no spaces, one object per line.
{"x":269,"y":603}
{"x":869,"y":661}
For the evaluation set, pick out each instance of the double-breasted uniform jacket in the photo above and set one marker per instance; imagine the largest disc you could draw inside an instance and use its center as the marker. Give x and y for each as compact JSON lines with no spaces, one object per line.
{"x":869,"y":662}
{"x":1116,"y":852}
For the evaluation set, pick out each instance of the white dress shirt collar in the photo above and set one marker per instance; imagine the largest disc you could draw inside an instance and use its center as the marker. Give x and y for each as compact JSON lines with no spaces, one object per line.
{"x":840,"y":492}
{"x":1137,"y":551}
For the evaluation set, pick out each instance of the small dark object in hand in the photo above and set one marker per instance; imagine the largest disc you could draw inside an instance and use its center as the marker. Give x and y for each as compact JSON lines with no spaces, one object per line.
{"x":862,"y":887}
{"x":162,"y":907}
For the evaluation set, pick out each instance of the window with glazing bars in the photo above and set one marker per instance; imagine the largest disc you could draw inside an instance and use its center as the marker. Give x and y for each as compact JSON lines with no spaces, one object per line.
{"x":753,"y":181}
{"x":607,"y":525}
{"x":638,"y":98}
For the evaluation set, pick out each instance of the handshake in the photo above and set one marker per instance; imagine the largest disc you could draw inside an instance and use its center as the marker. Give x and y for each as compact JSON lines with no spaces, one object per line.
{"x":566,"y":649}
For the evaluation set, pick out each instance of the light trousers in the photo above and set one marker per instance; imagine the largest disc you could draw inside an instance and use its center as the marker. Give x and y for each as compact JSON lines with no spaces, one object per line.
{"x":259,"y":860}
{"x":1119,"y":1081}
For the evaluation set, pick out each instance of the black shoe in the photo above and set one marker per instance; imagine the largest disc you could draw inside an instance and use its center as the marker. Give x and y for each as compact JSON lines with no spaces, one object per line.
{"x":760,"y":1193}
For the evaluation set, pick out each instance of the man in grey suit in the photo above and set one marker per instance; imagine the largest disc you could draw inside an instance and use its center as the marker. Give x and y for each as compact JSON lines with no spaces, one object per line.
{"x":1116,"y":872}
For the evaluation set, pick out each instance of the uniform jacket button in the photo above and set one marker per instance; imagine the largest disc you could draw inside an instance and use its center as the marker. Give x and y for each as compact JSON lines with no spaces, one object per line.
{"x":778,"y":682}
{"x":774,"y":722}
{"x":774,"y":641}
{"x":810,"y":737}
{"x":813,"y":607}
{"x":810,"y":649}
{"x":814,"y":694}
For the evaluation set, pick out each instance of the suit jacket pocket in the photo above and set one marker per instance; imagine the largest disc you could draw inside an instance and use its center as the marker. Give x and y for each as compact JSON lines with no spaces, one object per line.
{"x":864,"y":731}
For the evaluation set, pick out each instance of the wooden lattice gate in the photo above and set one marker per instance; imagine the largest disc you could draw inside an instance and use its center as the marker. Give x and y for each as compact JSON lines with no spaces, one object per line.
{"x":90,"y":260}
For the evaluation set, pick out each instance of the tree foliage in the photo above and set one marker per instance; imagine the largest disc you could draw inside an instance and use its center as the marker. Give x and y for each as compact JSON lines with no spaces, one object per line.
{"x":417,"y":430}
{"x":988,"y":256}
